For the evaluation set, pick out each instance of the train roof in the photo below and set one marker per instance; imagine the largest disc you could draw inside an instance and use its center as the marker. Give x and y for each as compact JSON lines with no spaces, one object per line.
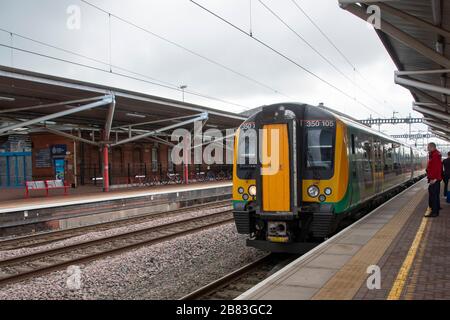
{"x":355,"y":123}
{"x":338,"y":115}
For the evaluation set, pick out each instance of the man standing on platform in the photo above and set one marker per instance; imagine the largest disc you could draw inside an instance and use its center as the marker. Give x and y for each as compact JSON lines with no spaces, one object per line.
{"x":434,"y":174}
{"x":446,"y":164}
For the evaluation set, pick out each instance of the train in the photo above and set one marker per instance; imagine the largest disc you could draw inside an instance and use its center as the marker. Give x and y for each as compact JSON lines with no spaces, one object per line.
{"x":300,"y":172}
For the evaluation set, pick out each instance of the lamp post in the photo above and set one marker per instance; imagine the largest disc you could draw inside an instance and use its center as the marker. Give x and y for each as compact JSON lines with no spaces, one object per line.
{"x":183,"y":87}
{"x":186,"y":156}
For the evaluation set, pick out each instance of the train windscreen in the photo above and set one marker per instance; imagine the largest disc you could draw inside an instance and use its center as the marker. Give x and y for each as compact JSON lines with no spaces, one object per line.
{"x":247,"y":153}
{"x":319,"y":162}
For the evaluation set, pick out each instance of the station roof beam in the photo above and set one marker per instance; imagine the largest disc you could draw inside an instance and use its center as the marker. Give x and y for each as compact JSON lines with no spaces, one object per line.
{"x":106,"y":100}
{"x":73,"y":106}
{"x":416,"y":34}
{"x":200,"y":117}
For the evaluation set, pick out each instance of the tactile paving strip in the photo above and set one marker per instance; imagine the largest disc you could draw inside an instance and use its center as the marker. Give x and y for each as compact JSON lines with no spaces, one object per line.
{"x":346,"y":282}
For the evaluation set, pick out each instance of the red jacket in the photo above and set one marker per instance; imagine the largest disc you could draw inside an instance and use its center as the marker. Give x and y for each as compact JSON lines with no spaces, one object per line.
{"x":434,"y":167}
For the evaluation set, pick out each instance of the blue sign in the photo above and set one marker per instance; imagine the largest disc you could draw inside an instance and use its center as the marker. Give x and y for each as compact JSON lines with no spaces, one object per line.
{"x":59,"y":150}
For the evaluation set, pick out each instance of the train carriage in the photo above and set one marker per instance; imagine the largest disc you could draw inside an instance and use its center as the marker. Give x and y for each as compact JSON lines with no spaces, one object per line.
{"x":300,"y":170}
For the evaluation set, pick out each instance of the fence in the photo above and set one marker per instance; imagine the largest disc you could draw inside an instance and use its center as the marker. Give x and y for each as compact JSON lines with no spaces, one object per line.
{"x":133,"y":173}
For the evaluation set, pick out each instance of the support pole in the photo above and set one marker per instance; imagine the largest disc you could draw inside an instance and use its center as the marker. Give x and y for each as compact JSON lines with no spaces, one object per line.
{"x":186,"y":152}
{"x":105,"y":168}
{"x":75,"y":164}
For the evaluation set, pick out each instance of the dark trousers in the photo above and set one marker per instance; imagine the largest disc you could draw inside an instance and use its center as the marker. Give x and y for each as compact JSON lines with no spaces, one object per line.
{"x":446,"y":177}
{"x":433,"y":197}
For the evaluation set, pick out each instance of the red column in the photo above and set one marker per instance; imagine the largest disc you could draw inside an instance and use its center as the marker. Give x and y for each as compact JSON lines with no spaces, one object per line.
{"x":186,"y":152}
{"x":186,"y":169}
{"x":105,"y":169}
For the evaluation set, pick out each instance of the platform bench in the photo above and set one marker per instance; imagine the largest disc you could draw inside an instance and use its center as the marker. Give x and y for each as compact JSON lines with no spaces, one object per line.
{"x":45,"y":185}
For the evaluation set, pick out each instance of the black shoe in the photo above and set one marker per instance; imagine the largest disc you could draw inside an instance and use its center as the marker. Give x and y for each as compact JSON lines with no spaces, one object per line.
{"x":432,"y":215}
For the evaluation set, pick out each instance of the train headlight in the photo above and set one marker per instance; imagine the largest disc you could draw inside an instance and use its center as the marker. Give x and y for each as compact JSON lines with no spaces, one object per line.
{"x":313,"y":191}
{"x":322,"y":198}
{"x":328,"y":191}
{"x":241,"y":190}
{"x":252,"y":191}
{"x":245,"y":197}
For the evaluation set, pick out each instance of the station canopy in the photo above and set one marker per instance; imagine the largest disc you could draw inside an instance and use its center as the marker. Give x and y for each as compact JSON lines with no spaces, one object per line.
{"x":416,"y":33}
{"x":32,"y":102}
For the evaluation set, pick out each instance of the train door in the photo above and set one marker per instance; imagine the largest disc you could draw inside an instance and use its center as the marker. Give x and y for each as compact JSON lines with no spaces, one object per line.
{"x":378,"y":166}
{"x":367,"y":177}
{"x":355,"y":167}
{"x":276,"y":183}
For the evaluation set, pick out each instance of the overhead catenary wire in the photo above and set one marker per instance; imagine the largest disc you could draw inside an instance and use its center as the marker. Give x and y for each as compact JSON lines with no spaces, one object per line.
{"x":284,"y":56}
{"x":298,"y":35}
{"x":11,"y":42}
{"x":81,"y":56}
{"x":150,"y":80}
{"x":175,"y":87}
{"x":176,"y":44}
{"x":323,"y":34}
{"x":251,"y":17}
{"x":120,"y":75}
{"x":331,"y":42}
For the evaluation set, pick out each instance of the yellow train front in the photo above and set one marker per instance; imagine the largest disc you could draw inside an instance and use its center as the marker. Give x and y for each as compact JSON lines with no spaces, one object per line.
{"x":300,"y":170}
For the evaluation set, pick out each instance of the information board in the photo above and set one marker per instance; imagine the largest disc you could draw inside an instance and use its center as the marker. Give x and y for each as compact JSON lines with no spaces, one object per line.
{"x":43,"y":158}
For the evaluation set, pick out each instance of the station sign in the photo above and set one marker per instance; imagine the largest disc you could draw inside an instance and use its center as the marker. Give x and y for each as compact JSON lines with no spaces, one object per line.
{"x":58,"y":150}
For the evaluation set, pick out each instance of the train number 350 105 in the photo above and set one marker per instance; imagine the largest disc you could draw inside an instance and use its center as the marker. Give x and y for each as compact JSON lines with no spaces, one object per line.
{"x":319,"y":123}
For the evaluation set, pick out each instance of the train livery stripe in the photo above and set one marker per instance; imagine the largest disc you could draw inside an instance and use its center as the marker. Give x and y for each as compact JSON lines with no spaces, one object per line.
{"x":339,"y":183}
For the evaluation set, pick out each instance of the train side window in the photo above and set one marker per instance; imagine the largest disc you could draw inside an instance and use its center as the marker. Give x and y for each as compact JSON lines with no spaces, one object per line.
{"x":367,"y":150}
{"x":353,"y":144}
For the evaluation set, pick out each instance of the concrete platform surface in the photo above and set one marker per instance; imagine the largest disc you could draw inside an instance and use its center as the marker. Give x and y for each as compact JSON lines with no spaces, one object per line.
{"x":91,"y":197}
{"x":392,"y":253}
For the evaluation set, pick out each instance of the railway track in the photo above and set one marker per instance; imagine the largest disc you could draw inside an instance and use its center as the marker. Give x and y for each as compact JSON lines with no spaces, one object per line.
{"x":30,"y":265}
{"x":49,"y":237}
{"x":237,"y":282}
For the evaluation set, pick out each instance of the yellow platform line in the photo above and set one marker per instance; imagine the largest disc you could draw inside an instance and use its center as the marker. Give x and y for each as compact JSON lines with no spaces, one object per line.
{"x":347,"y":281}
{"x":410,"y":286}
{"x":402,"y":276}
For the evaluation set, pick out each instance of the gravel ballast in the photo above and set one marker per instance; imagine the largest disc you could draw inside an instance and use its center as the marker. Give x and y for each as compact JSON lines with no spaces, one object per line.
{"x":111,"y":232}
{"x":168,"y":270}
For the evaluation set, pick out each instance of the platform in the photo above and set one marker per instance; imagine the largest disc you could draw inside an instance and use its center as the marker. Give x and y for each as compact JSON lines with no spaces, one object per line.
{"x":412,"y":253}
{"x":78,"y":199}
{"x":41,"y":214}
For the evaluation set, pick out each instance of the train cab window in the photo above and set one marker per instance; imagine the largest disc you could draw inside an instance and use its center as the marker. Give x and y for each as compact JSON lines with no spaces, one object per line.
{"x":320,"y":152}
{"x":247,"y":150}
{"x":247,"y":154}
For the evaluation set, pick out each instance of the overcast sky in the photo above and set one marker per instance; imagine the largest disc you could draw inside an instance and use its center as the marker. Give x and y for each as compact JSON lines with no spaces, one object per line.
{"x":182,"y":22}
